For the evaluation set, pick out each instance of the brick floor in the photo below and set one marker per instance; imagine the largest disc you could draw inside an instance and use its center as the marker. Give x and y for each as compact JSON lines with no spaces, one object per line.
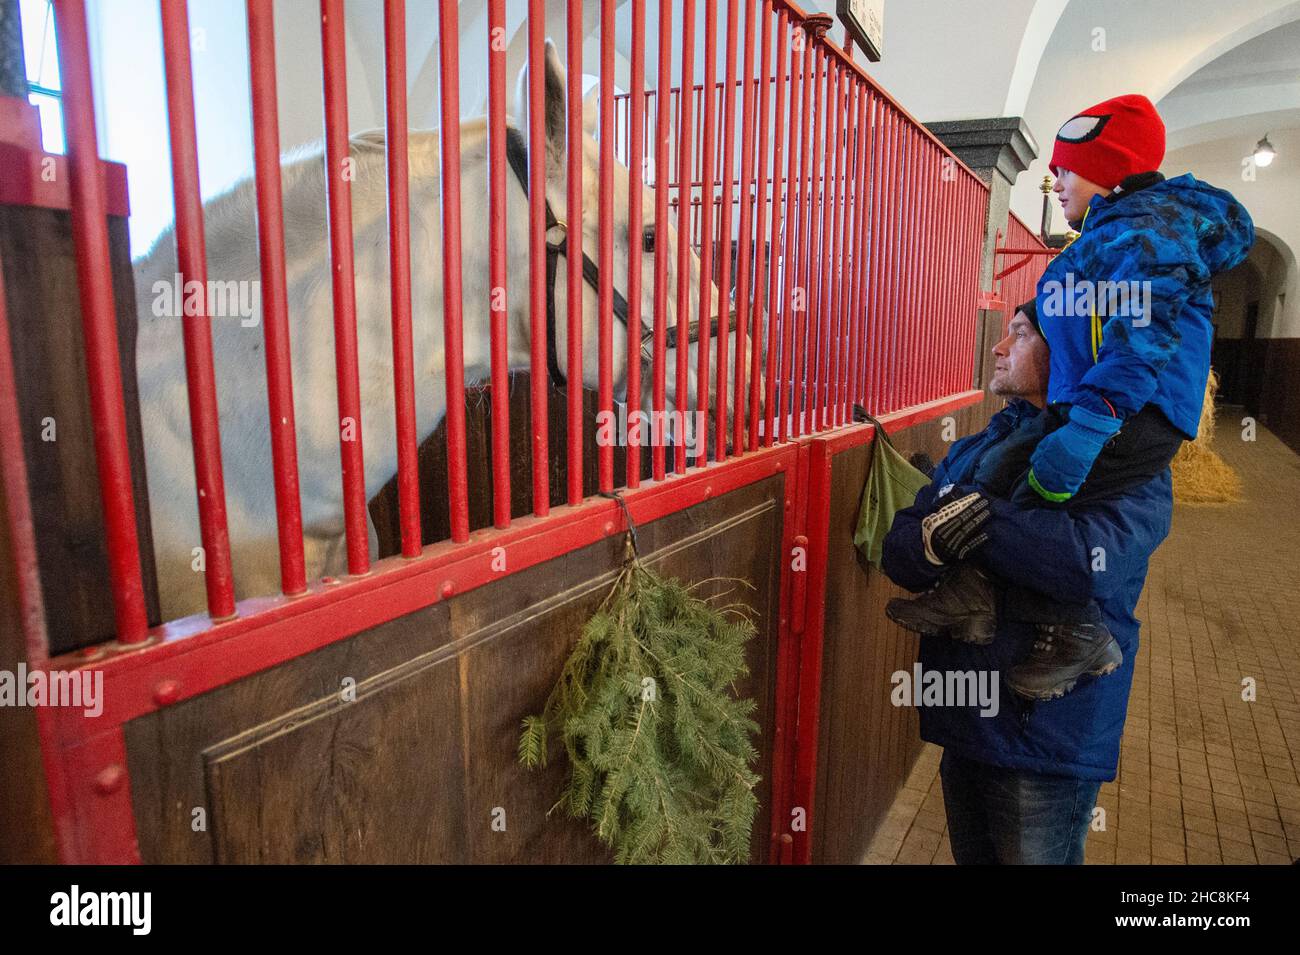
{"x":1205,"y":777}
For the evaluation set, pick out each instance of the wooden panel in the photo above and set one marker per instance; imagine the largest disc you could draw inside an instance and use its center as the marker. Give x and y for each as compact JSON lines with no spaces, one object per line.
{"x":418,"y":767}
{"x":866,"y":746}
{"x":50,"y":367}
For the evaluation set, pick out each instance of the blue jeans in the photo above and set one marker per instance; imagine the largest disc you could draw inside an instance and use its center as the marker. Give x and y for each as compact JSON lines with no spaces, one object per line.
{"x":999,"y":816}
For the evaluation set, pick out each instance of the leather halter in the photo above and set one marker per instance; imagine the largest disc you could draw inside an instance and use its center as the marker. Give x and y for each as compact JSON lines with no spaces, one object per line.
{"x":517,"y":155}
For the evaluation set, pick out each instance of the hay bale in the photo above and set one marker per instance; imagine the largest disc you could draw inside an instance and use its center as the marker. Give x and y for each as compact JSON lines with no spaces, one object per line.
{"x":1200,"y":475}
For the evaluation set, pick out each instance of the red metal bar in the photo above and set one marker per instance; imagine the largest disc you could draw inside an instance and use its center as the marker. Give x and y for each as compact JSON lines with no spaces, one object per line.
{"x":537,"y":365}
{"x":760,"y":210}
{"x":573,"y":260}
{"x":746,"y":238}
{"x":275,"y":303}
{"x":399,"y":252}
{"x":339,"y":195}
{"x":724,"y":272}
{"x":681,"y":397}
{"x":800,"y":380}
{"x":846,"y":250}
{"x":636,"y":224}
{"x":861,"y":216}
{"x":191,"y":261}
{"x":99,"y":325}
{"x":775,"y":336}
{"x":453,"y":330}
{"x":832,"y":231}
{"x":881,"y":243}
{"x":789,"y":241}
{"x":708,"y":154}
{"x":818,"y":206}
{"x":663,"y":134}
{"x":605,"y":241}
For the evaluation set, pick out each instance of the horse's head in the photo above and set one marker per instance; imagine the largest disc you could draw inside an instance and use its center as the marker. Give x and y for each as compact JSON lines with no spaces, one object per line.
{"x":646,"y":240}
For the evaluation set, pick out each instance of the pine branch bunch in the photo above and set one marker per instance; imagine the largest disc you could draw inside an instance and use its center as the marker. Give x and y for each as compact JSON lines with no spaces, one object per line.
{"x":658,"y":746}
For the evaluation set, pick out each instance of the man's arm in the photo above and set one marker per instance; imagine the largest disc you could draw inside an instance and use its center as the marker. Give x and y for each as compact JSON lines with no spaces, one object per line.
{"x":902,"y":555}
{"x":1083,"y":553}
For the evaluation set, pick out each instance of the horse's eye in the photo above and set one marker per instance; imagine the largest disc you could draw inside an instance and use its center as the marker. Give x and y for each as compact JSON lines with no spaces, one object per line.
{"x":648,"y":239}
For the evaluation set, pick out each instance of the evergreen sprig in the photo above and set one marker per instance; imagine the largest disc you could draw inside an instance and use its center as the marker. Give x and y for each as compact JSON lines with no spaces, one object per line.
{"x":658,"y":746}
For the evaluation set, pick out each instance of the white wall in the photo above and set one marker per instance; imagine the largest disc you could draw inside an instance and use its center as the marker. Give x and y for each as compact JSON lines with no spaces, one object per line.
{"x":1273,"y":200}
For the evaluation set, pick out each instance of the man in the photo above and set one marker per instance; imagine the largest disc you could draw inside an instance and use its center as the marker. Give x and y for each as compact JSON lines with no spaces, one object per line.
{"x":1020,"y":783}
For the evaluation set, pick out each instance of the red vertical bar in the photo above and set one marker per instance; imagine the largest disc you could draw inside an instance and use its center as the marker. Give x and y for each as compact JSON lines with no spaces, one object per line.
{"x":99,"y":324}
{"x":663,"y":133}
{"x":399,"y":251}
{"x":275,"y":303}
{"x":605,"y":241}
{"x":453,"y":330}
{"x":865,"y":212}
{"x":498,"y":263}
{"x":685,"y":149}
{"x":832,"y":227}
{"x":746,"y":238}
{"x":882,"y":264}
{"x":191,"y":260}
{"x":339,"y":196}
{"x":752,"y":87}
{"x":762,"y":264}
{"x":708,"y":155}
{"x":845,"y":256}
{"x":815,"y":252}
{"x":724,"y":272}
{"x":800,"y":379}
{"x":573,"y":259}
{"x":779,"y":186}
{"x":539,"y":373}
{"x":636,"y":223}
{"x":788,"y":375}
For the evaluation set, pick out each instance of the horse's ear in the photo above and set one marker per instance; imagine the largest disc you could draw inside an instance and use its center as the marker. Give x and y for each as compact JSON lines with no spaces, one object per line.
{"x":552,"y":110}
{"x":591,"y":111}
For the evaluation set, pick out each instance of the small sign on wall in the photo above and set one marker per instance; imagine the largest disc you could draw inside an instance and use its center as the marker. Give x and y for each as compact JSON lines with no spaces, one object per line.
{"x":865,"y":20}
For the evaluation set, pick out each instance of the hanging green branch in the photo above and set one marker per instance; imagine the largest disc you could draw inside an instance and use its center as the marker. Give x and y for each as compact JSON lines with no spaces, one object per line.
{"x":658,"y":746}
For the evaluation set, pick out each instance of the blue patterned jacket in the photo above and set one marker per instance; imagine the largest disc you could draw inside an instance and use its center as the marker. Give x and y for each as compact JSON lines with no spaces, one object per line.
{"x":1145,"y":337}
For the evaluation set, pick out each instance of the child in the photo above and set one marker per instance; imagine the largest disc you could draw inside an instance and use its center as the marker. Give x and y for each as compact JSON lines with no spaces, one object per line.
{"x":1125,"y":310}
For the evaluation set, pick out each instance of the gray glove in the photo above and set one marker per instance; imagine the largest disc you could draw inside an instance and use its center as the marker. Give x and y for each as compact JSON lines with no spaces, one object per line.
{"x":955,"y":529}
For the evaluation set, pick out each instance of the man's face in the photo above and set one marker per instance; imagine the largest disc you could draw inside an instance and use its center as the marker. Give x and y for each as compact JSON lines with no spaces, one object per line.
{"x":1074,"y":193}
{"x":1021,"y":366}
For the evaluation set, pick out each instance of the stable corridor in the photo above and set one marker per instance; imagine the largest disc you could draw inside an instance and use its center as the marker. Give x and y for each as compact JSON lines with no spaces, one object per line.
{"x":1204,"y":777}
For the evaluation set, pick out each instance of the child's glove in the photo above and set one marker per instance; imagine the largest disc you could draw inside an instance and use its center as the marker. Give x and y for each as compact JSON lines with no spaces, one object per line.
{"x":1062,"y":460}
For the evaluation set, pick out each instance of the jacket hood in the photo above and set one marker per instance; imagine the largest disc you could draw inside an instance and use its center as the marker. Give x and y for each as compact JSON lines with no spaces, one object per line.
{"x":1208,"y":218}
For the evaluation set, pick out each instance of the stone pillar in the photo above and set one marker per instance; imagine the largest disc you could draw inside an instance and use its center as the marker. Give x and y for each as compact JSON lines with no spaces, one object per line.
{"x":997,"y":150}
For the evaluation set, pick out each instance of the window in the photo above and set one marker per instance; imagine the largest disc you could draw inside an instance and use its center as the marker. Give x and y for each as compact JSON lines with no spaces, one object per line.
{"x":45,"y":88}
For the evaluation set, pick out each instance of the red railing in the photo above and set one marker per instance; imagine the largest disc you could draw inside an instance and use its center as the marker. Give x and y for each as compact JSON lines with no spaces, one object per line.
{"x":1020,"y":261}
{"x":844,"y":240}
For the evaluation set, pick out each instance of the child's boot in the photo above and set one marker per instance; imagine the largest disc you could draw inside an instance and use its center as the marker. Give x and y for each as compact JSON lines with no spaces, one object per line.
{"x":963,"y":605}
{"x":1062,"y":654}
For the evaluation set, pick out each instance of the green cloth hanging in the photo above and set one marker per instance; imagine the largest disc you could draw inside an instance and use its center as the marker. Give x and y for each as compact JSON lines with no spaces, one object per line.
{"x":892,"y":485}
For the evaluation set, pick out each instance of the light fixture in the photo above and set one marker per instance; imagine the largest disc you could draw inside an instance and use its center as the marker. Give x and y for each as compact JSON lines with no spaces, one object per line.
{"x":1264,"y":152}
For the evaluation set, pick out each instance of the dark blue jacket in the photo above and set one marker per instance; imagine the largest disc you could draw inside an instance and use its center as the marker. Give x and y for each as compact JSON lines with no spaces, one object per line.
{"x":1053,"y":551}
{"x":1174,"y":235}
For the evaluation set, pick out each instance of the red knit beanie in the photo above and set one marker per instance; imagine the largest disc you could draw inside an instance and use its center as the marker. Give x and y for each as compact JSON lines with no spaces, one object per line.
{"x":1111,"y":141}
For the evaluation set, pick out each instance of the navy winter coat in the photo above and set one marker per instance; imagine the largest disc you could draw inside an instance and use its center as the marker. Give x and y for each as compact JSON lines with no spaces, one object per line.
{"x":1174,"y":236}
{"x":1052,"y":551}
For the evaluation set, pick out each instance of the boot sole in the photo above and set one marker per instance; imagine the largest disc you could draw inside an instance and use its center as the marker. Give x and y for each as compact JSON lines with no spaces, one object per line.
{"x":1106,"y":667}
{"x":978,"y":631}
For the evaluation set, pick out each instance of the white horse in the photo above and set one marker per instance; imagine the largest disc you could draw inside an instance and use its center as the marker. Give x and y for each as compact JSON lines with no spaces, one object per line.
{"x":239,"y":361}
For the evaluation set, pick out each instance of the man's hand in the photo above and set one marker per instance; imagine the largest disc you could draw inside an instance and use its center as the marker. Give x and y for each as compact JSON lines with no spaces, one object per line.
{"x":1062,"y":460}
{"x":955,"y":529}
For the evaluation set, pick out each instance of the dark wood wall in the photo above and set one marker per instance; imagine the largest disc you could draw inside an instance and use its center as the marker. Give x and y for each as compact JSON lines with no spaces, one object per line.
{"x":285,"y":770}
{"x":50,"y":367}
